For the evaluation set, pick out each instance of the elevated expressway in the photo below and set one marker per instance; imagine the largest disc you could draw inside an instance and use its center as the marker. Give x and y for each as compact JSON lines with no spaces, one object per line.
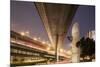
{"x":27,"y":51}
{"x":56,"y":18}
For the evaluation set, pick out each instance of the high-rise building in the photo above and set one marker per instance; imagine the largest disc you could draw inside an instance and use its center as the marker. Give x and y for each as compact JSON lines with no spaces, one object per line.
{"x":91,"y":34}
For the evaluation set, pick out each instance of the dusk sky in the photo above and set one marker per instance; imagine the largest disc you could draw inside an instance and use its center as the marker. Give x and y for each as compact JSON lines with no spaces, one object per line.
{"x":24,"y":17}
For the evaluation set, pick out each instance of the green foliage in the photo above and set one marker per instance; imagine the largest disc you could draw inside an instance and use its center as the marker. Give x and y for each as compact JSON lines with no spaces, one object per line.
{"x":87,"y":47}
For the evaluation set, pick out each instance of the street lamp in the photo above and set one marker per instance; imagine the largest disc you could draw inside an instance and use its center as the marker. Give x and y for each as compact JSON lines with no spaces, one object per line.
{"x":48,"y":48}
{"x":61,"y":50}
{"x":34,"y":38}
{"x":27,"y":33}
{"x":43,"y":42}
{"x":22,"y":33}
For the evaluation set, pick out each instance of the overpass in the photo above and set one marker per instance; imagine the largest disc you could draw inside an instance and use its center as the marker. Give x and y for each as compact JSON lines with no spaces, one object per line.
{"x":56,"y":18}
{"x":27,"y":51}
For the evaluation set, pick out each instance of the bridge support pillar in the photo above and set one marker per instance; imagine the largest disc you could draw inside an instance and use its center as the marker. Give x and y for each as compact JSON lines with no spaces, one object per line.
{"x":59,"y":42}
{"x":75,"y":37}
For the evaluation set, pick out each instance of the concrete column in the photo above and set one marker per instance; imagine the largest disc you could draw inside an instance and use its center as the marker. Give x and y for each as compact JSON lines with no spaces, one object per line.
{"x":75,"y":50}
{"x":58,"y":46}
{"x":75,"y":53}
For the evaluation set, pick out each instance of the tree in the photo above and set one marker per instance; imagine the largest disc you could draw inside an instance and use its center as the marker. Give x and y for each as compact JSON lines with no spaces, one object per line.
{"x":87,"y":48}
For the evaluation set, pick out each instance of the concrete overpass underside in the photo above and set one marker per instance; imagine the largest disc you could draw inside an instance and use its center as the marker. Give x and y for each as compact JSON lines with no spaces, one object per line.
{"x":56,"y":18}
